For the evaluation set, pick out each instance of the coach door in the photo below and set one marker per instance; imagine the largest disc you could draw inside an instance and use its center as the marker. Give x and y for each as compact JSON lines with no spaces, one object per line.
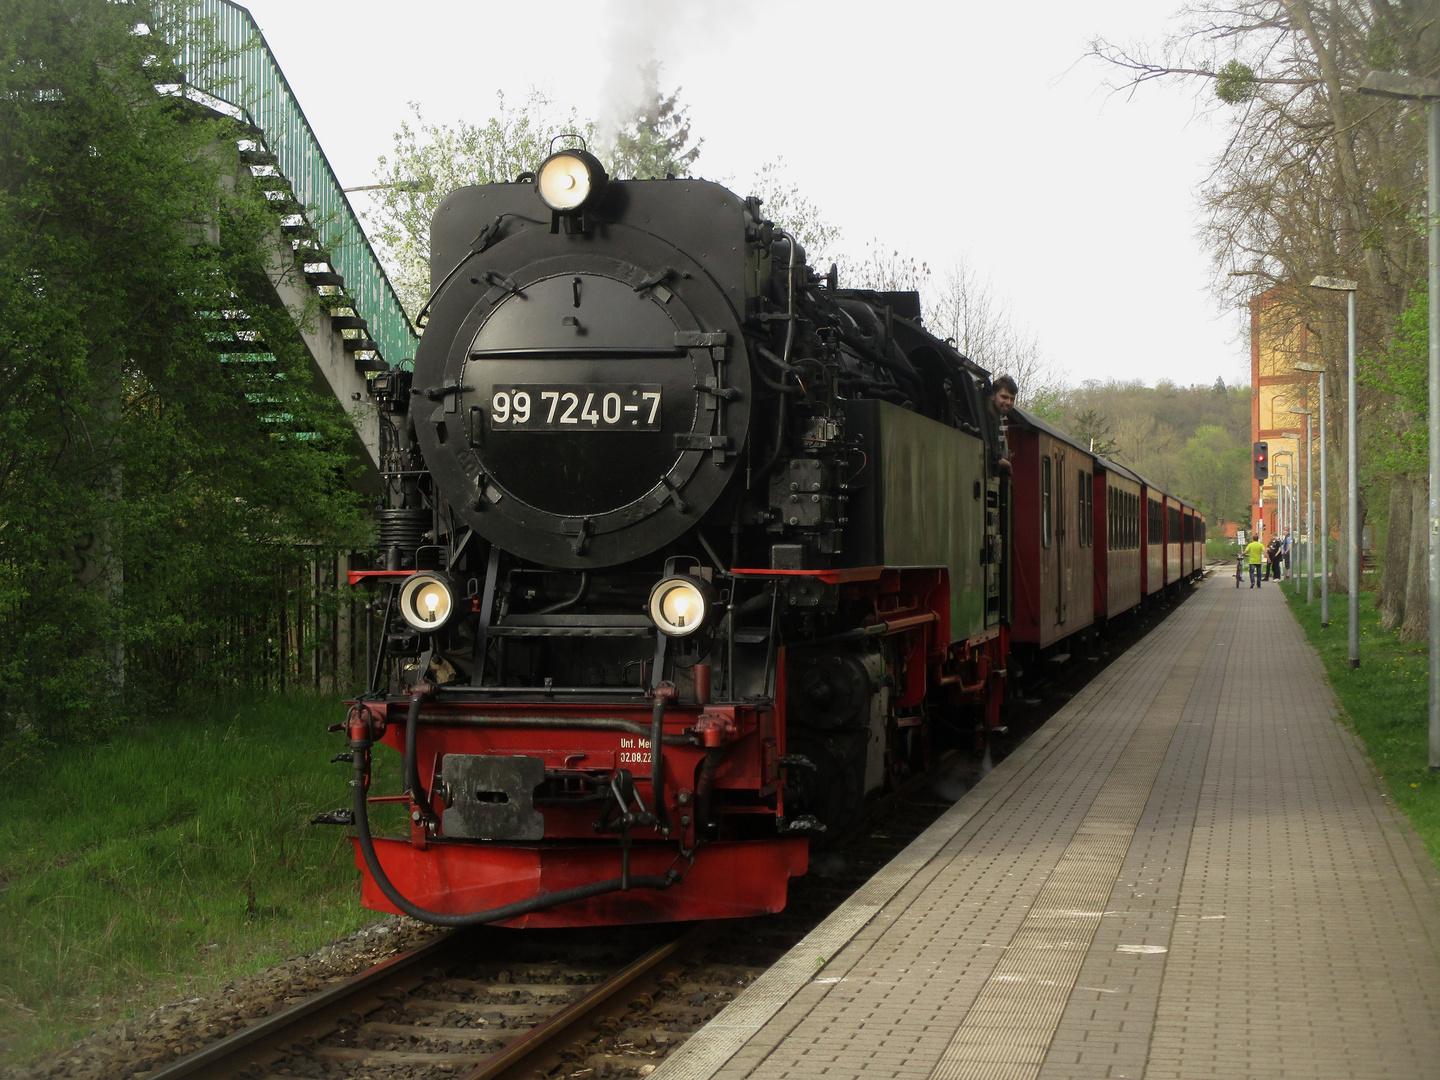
{"x":1061,"y":536}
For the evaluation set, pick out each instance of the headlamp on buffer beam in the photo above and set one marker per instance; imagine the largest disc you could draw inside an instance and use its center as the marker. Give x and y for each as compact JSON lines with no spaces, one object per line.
{"x":570,"y":180}
{"x":679,"y":605}
{"x":428,"y":601}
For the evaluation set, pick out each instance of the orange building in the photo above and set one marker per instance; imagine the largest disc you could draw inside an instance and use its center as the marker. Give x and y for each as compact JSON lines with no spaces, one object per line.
{"x":1279,"y":339}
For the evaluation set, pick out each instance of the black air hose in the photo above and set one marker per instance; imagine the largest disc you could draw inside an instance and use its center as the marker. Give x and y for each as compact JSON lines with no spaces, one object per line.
{"x":657,"y":762}
{"x":359,"y":750}
{"x":412,"y":769}
{"x":705,"y":785}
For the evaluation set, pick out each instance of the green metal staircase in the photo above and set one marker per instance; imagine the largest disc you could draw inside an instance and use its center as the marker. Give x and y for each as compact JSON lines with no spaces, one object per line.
{"x":361,"y":327}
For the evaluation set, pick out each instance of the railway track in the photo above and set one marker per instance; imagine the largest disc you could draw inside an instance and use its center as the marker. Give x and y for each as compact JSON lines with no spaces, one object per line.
{"x":598,"y":1003}
{"x":593,"y":1004}
{"x":490,"y":1004}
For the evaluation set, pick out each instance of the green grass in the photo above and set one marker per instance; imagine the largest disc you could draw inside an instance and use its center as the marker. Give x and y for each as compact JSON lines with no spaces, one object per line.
{"x":1222,"y":548}
{"x":1384,"y":700}
{"x":167,"y":861}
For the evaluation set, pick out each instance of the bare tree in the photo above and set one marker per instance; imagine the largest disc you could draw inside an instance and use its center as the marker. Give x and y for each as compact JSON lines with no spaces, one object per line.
{"x":782,"y":201}
{"x":964,"y":307}
{"x":1315,"y":178}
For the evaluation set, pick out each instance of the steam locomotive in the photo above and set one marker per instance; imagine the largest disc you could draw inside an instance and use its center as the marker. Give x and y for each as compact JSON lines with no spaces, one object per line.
{"x":687,"y":551}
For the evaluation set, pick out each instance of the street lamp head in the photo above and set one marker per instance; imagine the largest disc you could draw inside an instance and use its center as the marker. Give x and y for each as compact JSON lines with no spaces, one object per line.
{"x":1289,"y":435}
{"x":395,"y":185}
{"x":1301,"y":412}
{"x":1339,"y":284}
{"x":1389,"y":84}
{"x":1318,"y":369}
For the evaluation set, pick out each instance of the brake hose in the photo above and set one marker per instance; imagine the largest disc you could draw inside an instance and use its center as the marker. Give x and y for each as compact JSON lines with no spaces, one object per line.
{"x":360,"y":743}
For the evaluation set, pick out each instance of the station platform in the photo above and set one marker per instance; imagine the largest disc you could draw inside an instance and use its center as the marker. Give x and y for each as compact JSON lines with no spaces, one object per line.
{"x":1190,"y":871}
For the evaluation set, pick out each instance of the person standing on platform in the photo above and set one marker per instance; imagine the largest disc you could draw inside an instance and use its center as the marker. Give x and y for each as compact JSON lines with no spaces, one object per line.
{"x":1254,"y":555}
{"x":1285,"y":556}
{"x":1272,"y":559}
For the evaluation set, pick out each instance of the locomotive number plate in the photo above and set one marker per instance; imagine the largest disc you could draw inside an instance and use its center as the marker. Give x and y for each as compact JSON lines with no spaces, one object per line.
{"x":585,"y":407}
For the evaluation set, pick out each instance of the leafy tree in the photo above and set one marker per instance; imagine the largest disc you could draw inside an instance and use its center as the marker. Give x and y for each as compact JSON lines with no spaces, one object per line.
{"x":1091,"y":429}
{"x":1214,"y":474}
{"x":148,"y":486}
{"x":431,"y":160}
{"x":1193,"y":439}
{"x":654,"y":141}
{"x":964,"y":306}
{"x":1403,"y":371}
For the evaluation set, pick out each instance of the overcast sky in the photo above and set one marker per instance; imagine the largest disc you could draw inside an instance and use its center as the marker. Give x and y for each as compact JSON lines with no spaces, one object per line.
{"x":947,"y":131}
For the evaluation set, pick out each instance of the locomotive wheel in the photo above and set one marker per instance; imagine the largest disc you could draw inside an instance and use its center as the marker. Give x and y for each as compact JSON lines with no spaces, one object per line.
{"x":833,"y":791}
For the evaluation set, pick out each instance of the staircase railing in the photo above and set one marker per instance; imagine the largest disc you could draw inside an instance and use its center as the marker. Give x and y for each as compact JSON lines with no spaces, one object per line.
{"x":243,"y":73}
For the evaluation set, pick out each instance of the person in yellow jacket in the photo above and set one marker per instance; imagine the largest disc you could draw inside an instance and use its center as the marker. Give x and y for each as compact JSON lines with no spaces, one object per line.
{"x":1255,"y":555}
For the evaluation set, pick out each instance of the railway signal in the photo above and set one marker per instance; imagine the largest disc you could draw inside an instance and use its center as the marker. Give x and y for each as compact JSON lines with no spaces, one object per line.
{"x":1261,"y":458}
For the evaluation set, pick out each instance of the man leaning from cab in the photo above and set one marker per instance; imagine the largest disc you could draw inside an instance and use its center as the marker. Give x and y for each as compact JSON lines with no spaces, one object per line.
{"x":1002,"y":403}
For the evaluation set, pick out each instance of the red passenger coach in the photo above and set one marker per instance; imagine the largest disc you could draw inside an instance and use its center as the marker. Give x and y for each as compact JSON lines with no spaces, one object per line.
{"x":1173,"y":568}
{"x":1054,"y":534}
{"x":1118,"y":520}
{"x":1195,"y":539}
{"x":1153,"y":540}
{"x":1187,"y":540}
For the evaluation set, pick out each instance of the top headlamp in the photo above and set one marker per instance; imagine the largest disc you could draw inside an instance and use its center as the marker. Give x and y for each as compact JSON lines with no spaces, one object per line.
{"x":570,"y":180}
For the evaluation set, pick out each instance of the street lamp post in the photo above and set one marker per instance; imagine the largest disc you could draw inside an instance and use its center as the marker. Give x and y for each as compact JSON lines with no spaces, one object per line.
{"x":1294,"y":512}
{"x":1352,"y":460}
{"x":1283,"y":520}
{"x":1416,"y":88}
{"x":1309,"y":523}
{"x":1319,"y":369}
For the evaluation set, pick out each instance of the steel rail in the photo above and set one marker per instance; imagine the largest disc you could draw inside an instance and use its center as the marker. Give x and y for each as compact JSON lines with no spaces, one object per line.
{"x":219,"y":1059}
{"x":518,"y":1059}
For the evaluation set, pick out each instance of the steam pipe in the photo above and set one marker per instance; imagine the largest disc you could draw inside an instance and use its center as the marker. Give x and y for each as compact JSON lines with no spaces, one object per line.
{"x":565,"y":605}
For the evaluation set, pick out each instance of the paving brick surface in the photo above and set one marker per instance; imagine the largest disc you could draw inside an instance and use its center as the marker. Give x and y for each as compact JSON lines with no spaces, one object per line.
{"x":1190,"y":871}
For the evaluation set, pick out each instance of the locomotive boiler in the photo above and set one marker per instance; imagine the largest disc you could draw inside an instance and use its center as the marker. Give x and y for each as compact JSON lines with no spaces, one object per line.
{"x":686,"y":551}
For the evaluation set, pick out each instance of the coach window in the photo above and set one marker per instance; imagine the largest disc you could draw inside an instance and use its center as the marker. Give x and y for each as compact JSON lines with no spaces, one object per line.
{"x":1088,"y":486}
{"x":1045,"y":500}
